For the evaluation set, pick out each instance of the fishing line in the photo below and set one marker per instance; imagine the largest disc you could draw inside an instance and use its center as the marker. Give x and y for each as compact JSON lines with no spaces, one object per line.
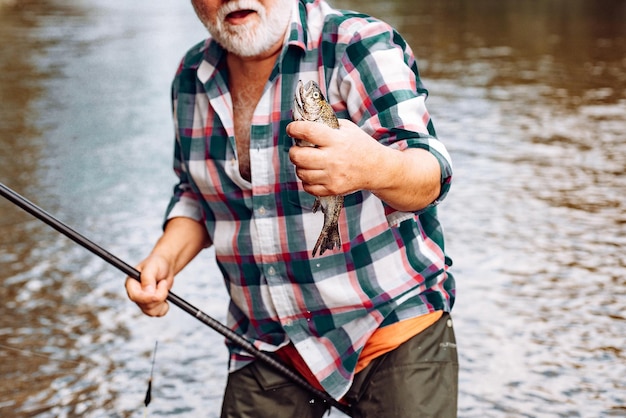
{"x":125,"y":268}
{"x":34,"y":354}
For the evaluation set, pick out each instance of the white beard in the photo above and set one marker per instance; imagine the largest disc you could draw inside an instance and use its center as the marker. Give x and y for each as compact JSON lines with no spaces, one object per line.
{"x":253,"y":38}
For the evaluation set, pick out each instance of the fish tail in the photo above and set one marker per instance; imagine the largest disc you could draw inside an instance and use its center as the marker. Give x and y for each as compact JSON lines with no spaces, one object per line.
{"x":329,"y":239}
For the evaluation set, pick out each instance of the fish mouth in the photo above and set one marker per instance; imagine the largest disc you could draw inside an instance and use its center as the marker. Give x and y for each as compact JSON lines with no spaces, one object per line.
{"x":302,"y":90}
{"x":298,"y":103}
{"x":306,"y":88}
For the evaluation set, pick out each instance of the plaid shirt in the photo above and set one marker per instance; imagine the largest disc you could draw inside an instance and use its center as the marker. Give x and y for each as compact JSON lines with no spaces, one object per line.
{"x":391,"y":265}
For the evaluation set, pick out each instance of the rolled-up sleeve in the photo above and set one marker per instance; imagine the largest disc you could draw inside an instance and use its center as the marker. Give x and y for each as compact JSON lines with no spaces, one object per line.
{"x":380,"y":84}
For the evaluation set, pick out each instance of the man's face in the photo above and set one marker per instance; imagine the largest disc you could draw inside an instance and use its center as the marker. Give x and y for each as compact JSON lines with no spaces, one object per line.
{"x":247,"y":28}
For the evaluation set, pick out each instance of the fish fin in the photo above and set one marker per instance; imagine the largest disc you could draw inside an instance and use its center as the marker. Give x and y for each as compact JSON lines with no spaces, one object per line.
{"x":316,"y":205}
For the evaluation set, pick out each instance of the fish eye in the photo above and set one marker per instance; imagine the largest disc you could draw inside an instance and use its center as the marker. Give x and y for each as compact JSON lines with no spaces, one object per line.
{"x":316,"y":95}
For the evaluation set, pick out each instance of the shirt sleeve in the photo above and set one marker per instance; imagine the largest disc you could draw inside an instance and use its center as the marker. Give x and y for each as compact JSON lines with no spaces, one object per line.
{"x":184,"y":201}
{"x":379,"y":81}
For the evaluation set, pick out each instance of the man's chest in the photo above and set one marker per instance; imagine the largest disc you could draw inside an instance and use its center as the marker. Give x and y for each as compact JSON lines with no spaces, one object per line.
{"x":246,"y":93}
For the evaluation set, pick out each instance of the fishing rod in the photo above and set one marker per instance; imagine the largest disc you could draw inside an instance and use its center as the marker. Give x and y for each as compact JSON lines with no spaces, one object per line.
{"x":130,"y":271}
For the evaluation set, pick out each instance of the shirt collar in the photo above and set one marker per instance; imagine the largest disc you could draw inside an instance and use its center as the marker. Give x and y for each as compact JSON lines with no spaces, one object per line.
{"x":212,"y":54}
{"x":298,"y":26}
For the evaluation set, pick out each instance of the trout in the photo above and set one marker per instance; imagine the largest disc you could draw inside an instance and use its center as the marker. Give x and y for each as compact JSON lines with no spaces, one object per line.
{"x":309,"y":104}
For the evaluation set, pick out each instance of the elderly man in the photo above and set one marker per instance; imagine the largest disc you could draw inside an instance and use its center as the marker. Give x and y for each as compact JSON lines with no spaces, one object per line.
{"x":367,"y":322}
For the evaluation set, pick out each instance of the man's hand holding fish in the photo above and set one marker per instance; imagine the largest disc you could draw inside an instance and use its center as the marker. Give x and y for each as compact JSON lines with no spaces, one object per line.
{"x":347,"y":160}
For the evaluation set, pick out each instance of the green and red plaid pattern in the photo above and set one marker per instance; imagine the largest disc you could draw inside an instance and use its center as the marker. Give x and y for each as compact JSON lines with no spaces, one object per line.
{"x":391,"y":266}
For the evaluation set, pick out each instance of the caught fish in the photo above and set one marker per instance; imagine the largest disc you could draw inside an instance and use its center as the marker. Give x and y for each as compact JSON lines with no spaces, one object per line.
{"x":309,"y":104}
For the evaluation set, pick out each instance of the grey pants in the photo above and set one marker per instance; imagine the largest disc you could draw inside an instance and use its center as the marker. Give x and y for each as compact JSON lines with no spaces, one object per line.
{"x":418,"y":379}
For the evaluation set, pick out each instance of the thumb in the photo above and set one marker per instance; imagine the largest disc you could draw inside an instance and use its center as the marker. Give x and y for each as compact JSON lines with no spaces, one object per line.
{"x":148,"y":277}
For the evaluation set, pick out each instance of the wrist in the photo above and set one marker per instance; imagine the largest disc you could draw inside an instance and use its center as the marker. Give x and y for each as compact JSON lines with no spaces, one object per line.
{"x":383,"y":174}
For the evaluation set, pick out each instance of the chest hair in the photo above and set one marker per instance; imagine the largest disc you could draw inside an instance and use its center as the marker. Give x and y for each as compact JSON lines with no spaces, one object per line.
{"x":245,"y":99}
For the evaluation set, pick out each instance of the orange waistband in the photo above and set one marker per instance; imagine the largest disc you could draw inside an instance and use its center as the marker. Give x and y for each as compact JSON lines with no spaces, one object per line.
{"x":382,"y":341}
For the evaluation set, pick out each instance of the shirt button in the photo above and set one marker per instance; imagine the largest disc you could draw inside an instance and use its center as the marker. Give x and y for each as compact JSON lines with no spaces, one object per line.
{"x":271,"y":271}
{"x":261,"y":210}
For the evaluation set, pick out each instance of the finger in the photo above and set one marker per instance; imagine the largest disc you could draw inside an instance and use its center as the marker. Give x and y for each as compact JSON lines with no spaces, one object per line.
{"x":137,"y":294}
{"x":316,"y":190}
{"x":155,"y":309}
{"x":316,"y":133}
{"x":151,"y":303}
{"x":150,"y":293}
{"x":308,"y":130}
{"x":312,"y":176}
{"x":307,"y":158}
{"x":162,"y":289}
{"x":134,"y":289}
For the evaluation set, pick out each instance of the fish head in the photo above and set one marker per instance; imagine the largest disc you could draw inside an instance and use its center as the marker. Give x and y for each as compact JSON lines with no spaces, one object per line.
{"x":309,"y":102}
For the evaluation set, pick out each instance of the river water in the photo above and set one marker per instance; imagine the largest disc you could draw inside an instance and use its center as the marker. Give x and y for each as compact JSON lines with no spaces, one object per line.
{"x":530,"y":98}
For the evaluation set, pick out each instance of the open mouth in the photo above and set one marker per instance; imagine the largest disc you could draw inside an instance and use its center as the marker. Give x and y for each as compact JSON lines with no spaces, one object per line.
{"x":298,"y":108}
{"x":239,"y":15}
